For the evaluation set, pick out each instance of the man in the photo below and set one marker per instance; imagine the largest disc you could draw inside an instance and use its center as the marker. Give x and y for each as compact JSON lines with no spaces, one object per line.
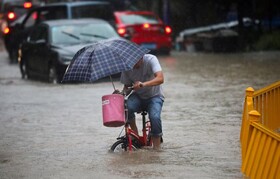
{"x":146,"y":78}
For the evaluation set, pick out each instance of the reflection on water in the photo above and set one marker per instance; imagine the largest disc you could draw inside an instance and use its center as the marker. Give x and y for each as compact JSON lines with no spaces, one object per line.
{"x":138,"y":164}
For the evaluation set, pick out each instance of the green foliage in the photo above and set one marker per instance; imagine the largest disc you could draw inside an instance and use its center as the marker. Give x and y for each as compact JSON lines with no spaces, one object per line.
{"x":269,"y":41}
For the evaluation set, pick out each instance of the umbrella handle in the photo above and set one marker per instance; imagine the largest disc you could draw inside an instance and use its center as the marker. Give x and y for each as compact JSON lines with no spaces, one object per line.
{"x":112,"y":83}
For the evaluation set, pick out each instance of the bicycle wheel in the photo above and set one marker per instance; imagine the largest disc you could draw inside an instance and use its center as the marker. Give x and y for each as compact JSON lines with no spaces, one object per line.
{"x":122,"y":145}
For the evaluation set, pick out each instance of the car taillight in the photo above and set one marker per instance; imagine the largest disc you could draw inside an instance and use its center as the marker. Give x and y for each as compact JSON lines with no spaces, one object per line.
{"x":6,"y":30}
{"x":34,"y":16}
{"x":27,"y":5}
{"x":11,"y":15}
{"x":146,"y":25}
{"x":121,"y":31}
{"x":168,"y":30}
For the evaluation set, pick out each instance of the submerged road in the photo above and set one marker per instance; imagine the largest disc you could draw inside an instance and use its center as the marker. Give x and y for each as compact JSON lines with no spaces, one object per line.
{"x":56,"y":131}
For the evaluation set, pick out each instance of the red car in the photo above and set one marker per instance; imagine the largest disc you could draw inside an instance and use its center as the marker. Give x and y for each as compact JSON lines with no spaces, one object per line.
{"x":144,"y":28}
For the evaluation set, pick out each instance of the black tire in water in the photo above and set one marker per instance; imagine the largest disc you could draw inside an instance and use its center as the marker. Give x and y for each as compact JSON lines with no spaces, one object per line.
{"x":122,"y":145}
{"x":22,"y":67}
{"x":13,"y":54}
{"x":53,"y":75}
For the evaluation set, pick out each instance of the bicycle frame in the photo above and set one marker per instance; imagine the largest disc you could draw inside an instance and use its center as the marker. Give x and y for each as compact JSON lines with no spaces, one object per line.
{"x":142,"y":140}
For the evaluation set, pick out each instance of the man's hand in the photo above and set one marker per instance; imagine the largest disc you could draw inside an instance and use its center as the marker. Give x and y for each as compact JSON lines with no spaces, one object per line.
{"x":137,"y":85}
{"x":117,"y":92}
{"x":157,"y":80}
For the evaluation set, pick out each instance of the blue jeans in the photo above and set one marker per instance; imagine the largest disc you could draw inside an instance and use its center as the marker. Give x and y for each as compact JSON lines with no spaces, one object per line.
{"x":152,"y":105}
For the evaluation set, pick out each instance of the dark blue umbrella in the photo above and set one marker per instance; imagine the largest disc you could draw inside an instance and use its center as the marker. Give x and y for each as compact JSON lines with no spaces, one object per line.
{"x":103,"y":58}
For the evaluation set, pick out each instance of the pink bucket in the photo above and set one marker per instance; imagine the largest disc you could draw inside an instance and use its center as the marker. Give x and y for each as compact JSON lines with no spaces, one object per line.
{"x":113,"y":110}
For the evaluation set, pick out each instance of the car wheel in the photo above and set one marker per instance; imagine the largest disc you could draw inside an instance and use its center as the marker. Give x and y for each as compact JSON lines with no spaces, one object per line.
{"x":166,"y":51}
{"x":53,"y":75}
{"x":23,"y":70}
{"x":13,"y":55}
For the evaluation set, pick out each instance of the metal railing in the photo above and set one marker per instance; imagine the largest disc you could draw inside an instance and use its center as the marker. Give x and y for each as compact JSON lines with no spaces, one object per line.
{"x":260,"y":140}
{"x":267,"y":102}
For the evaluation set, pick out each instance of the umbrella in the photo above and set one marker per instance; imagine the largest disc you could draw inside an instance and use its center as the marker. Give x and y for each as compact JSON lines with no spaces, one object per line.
{"x":102,"y":59}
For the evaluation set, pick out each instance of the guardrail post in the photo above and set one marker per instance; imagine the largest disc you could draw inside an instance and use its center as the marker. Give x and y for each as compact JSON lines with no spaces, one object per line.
{"x":254,"y":116}
{"x":248,"y":106}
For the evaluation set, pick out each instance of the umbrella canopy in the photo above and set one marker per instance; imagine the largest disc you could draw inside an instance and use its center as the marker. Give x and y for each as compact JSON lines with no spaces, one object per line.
{"x":103,"y":58}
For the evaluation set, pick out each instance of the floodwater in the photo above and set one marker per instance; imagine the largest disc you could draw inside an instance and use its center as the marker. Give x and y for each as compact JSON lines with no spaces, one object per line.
{"x":56,"y":131}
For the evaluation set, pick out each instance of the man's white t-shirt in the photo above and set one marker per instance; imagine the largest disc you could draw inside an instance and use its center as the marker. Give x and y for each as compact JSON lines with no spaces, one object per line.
{"x":146,"y":72}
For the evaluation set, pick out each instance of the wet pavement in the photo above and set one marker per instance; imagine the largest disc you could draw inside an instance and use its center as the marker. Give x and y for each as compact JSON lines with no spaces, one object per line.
{"x":56,"y":131}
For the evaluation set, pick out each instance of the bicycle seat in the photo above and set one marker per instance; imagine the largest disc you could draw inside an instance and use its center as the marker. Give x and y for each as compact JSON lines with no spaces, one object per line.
{"x":143,"y":112}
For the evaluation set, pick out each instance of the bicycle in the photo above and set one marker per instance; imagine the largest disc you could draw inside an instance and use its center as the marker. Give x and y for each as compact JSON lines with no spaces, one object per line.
{"x":130,"y":140}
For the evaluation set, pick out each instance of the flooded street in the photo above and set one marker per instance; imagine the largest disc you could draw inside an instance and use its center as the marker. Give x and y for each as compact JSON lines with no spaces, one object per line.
{"x":56,"y":131}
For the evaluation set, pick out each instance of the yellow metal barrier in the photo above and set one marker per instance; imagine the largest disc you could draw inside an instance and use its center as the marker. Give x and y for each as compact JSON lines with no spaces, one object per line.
{"x":267,"y":102}
{"x":260,"y":142}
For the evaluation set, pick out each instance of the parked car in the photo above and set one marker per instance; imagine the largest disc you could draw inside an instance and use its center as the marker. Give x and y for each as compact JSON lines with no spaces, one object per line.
{"x":10,"y":10}
{"x":144,"y":28}
{"x":51,"y":46}
{"x":20,"y":29}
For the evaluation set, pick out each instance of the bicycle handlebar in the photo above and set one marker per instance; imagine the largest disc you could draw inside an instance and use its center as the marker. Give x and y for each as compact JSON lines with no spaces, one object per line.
{"x":124,"y":92}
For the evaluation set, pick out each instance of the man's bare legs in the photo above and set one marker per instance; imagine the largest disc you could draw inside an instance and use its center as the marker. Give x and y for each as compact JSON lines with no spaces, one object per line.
{"x":156,"y":142}
{"x":134,"y":126}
